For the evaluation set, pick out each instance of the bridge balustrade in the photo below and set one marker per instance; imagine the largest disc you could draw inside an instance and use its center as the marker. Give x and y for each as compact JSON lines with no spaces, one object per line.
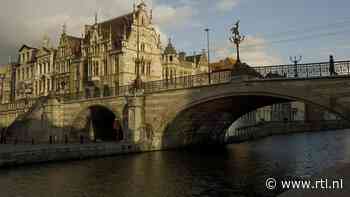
{"x":310,"y":70}
{"x":300,"y":71}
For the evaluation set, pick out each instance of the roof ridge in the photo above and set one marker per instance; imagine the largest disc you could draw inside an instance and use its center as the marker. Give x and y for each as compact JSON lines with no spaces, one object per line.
{"x":75,"y":37}
{"x":115,"y":18}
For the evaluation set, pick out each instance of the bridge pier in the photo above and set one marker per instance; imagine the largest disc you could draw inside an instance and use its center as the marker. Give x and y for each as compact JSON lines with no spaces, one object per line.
{"x":135,"y":112}
{"x":53,"y":117}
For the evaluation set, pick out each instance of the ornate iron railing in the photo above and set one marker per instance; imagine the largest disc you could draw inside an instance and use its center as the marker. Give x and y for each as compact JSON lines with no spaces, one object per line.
{"x":310,"y":70}
{"x":152,"y":86}
{"x":300,"y":71}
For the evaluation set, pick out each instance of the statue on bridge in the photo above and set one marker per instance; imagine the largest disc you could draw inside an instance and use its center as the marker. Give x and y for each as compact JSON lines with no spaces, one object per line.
{"x":237,"y":39}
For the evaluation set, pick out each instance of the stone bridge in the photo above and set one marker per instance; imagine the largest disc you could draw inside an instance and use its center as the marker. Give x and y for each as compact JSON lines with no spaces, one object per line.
{"x":173,"y":116}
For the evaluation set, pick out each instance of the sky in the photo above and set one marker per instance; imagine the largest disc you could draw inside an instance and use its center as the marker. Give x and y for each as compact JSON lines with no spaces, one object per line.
{"x":274,"y":29}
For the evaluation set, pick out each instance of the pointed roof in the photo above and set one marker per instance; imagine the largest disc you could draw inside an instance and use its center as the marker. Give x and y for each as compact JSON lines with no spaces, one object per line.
{"x":25,"y":46}
{"x":115,"y":28}
{"x":170,"y":49}
{"x":142,"y":5}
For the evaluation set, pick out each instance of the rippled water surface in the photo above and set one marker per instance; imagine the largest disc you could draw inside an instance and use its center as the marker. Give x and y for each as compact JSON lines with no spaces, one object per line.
{"x":238,"y":170}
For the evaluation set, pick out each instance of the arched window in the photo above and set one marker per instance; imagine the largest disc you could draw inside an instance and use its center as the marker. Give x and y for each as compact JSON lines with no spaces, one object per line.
{"x":106,"y":68}
{"x":167,"y":73}
{"x":149,"y":69}
{"x":143,"y":67}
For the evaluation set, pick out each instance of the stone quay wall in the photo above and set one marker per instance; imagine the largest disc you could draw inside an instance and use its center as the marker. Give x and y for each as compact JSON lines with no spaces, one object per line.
{"x":11,"y":155}
{"x":282,"y":128}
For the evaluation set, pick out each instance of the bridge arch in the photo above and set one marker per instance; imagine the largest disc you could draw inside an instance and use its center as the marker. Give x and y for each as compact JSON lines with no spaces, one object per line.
{"x":207,"y":116}
{"x":97,"y":123}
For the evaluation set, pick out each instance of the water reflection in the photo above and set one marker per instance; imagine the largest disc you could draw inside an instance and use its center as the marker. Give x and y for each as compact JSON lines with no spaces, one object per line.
{"x":238,"y":170}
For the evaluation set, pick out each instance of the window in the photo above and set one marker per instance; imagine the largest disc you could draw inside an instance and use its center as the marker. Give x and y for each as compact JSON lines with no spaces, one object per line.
{"x":27,"y":72}
{"x":149,"y":69}
{"x":116,"y":62}
{"x":143,"y":47}
{"x":18,"y":74}
{"x":106,"y":68}
{"x":48,"y":85}
{"x":143,"y":67}
{"x":171,"y":58}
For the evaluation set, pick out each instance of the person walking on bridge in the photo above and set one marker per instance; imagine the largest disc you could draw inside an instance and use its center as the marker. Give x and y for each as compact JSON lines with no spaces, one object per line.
{"x":331,"y":66}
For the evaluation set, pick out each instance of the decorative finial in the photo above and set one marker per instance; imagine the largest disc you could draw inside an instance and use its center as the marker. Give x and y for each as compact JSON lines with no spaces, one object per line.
{"x":110,"y":31}
{"x":46,"y":41}
{"x":96,"y":17}
{"x":64,"y":28}
{"x":142,"y":5}
{"x":151,"y":14}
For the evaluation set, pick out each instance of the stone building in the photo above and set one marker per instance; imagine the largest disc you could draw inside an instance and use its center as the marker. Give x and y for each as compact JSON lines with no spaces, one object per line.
{"x":222,"y":65}
{"x":7,"y":83}
{"x":176,"y":64}
{"x":109,"y":54}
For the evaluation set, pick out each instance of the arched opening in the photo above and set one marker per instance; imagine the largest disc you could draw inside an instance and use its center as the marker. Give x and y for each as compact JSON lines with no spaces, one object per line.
{"x":97,"y":123}
{"x":207,"y":121}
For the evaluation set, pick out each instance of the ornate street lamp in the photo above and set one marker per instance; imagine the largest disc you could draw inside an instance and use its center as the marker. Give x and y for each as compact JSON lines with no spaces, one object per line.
{"x":295,"y":60}
{"x":2,"y":81}
{"x":208,"y":45}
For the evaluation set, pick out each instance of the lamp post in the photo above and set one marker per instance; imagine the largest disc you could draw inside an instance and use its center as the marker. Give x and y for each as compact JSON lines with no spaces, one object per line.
{"x":207,"y":30}
{"x":295,"y":61}
{"x":138,"y":80}
{"x":2,"y":81}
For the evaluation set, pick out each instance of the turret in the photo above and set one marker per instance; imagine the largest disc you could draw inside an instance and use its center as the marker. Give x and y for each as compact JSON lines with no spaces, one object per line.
{"x":142,"y":5}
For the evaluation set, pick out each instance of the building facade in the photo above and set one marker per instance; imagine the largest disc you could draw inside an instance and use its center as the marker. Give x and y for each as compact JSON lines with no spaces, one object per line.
{"x":7,"y":80}
{"x":179,"y":64}
{"x":109,"y":54}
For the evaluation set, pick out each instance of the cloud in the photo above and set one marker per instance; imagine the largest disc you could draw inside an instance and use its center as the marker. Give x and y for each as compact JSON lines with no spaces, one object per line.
{"x":163,"y":36}
{"x":254,"y":52}
{"x":226,"y":5}
{"x":173,"y":16}
{"x":27,"y":21}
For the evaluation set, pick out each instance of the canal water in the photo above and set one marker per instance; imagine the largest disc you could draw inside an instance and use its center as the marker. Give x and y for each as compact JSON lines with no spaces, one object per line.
{"x":238,"y":170}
